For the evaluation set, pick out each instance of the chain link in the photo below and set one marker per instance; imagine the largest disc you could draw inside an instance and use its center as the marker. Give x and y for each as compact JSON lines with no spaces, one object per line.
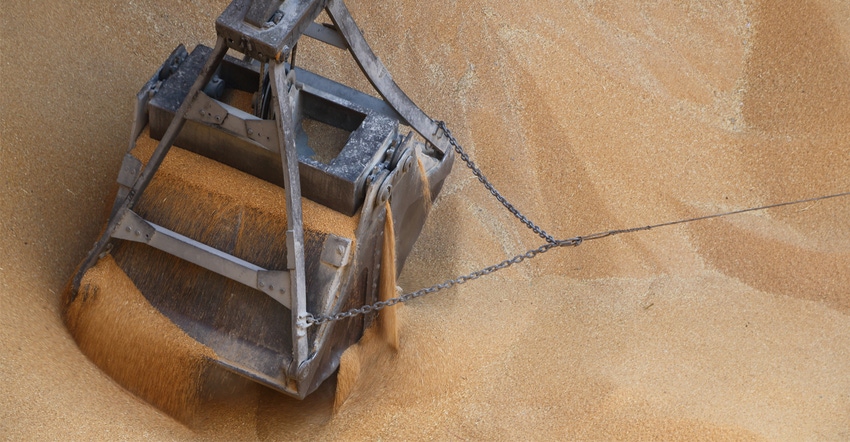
{"x":489,"y":186}
{"x":551,"y":243}
{"x":319,"y":319}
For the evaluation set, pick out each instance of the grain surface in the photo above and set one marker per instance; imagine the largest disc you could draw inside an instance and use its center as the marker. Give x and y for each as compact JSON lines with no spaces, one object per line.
{"x":589,"y":116}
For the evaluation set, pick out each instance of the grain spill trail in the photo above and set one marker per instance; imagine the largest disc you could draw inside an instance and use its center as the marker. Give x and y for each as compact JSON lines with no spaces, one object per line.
{"x":426,"y":191}
{"x":387,"y":318}
{"x":381,"y":338}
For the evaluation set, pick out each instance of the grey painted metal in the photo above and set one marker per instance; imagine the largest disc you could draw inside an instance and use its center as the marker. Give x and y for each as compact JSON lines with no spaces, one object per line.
{"x":140,"y":114}
{"x":367,"y":250}
{"x":313,"y":81}
{"x":248,"y":143}
{"x":336,"y":251}
{"x":260,"y":11}
{"x":325,"y":34}
{"x":133,"y":227}
{"x":379,"y":166}
{"x":295,"y":233}
{"x":131,"y":167}
{"x":272,"y":43}
{"x":236,"y":121}
{"x":381,"y":79}
{"x":177,"y":123}
{"x":145,"y":176}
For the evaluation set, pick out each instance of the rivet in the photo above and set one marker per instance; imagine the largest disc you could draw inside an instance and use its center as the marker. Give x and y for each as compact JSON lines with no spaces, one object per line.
{"x":262,"y":284}
{"x":250,"y":131}
{"x":138,"y":233}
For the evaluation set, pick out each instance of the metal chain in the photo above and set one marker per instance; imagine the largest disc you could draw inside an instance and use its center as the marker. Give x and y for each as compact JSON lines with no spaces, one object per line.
{"x":319,"y":319}
{"x":481,"y":178}
{"x":551,"y":243}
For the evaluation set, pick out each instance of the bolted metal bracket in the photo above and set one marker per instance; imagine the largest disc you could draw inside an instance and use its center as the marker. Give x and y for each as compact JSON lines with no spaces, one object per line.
{"x":274,"y":283}
{"x":405,"y":162}
{"x":211,"y":111}
{"x":336,"y":251}
{"x":130,"y":169}
{"x":263,"y":132}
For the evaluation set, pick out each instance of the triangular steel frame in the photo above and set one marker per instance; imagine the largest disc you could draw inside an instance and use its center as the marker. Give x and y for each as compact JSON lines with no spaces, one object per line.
{"x":126,"y":224}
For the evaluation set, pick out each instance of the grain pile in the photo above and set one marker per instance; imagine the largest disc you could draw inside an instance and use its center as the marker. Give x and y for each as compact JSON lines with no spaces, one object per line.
{"x":198,"y":176}
{"x":131,"y":341}
{"x":589,"y":116}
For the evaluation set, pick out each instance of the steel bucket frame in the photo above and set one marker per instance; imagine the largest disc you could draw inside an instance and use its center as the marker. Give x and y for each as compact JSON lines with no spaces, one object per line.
{"x":267,"y":31}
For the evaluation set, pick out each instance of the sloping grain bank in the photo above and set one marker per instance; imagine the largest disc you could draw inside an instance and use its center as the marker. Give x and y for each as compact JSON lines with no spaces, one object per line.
{"x":590,"y":116}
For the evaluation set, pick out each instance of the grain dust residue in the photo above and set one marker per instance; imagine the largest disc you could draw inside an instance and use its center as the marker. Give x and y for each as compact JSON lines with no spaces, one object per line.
{"x":325,"y":140}
{"x":382,"y":338}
